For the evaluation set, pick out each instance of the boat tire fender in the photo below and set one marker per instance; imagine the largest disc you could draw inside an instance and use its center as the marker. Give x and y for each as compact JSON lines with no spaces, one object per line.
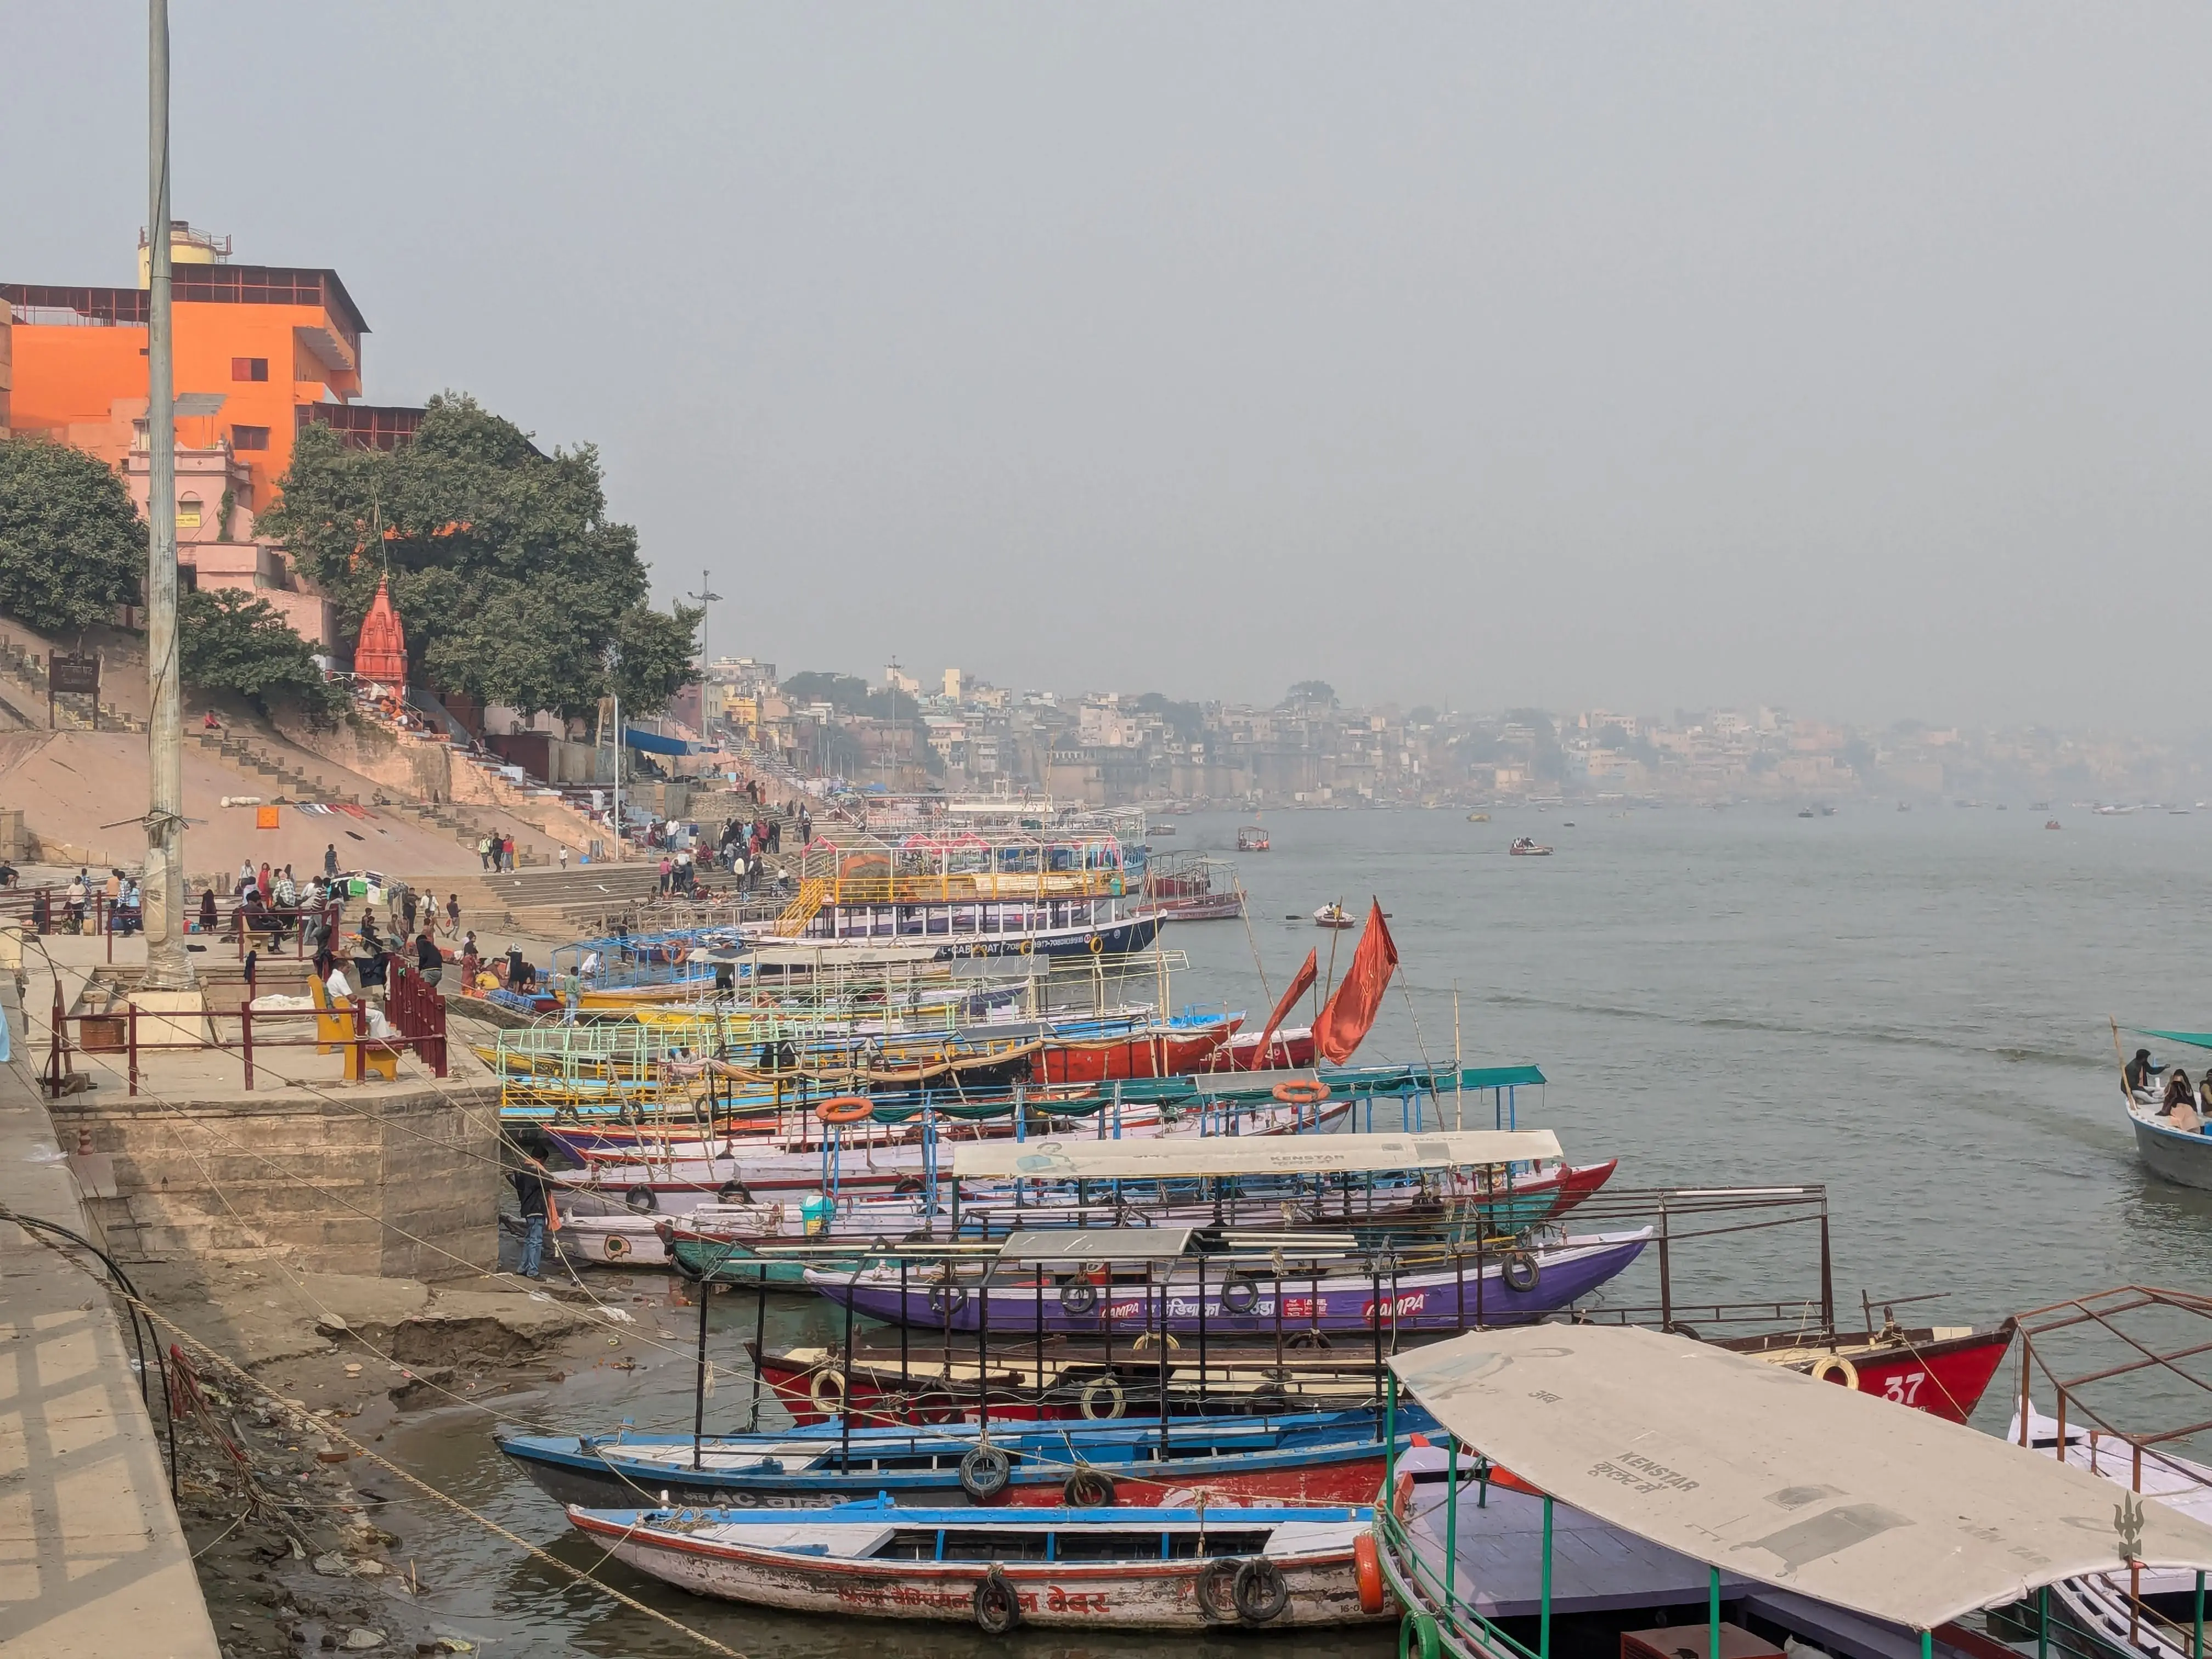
{"x":1089,"y":1489}
{"x":1301,"y":1091}
{"x":1367,"y":1570}
{"x":1312,"y":1337}
{"x":1239,"y":1296}
{"x":1217,"y":1589}
{"x":1833,"y":1367}
{"x":828,"y":1391}
{"x":984,"y":1472}
{"x":1106,"y":1392}
{"x":642,"y":1200}
{"x":1417,"y":1638}
{"x":1520,"y":1271}
{"x":1260,"y":1592}
{"x":732,"y":1192}
{"x":1078,"y":1298}
{"x":945,"y":1300}
{"x":998,"y":1609}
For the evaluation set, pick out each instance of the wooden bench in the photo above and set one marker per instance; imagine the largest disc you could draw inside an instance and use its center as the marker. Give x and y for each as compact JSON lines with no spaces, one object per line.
{"x":334,"y":1029}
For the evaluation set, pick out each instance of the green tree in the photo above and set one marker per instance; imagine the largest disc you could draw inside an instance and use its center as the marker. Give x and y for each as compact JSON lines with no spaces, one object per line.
{"x":229,"y":641}
{"x":1320,"y":691}
{"x":72,"y":545}
{"x":511,"y":579}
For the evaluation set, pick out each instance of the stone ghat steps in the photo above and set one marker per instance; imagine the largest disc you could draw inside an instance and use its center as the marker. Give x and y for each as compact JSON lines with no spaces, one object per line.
{"x":552,"y":896}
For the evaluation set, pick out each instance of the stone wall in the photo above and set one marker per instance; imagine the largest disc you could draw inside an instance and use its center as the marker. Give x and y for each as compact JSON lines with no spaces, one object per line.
{"x":401,"y":1182}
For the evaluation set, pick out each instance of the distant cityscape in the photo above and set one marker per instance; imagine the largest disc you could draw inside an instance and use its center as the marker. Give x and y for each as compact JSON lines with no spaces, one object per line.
{"x":957,"y":732}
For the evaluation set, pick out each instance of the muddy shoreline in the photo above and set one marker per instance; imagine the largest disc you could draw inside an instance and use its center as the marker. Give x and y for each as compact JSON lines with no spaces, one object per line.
{"x":295,"y":1528}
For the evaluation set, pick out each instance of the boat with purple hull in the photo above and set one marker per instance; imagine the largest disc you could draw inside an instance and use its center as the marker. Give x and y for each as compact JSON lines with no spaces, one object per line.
{"x":1233,"y":1294}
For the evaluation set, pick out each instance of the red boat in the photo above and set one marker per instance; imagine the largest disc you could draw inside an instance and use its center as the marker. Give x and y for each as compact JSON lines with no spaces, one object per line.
{"x":1292,"y":1050}
{"x":1162,"y":1051}
{"x":1941,"y":1369}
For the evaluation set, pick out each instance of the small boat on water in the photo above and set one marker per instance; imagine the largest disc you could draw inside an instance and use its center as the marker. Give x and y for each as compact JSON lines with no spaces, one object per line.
{"x":2176,"y":1146}
{"x":1252,"y":839}
{"x":1132,"y":1569}
{"x":2050,"y":824}
{"x":1334,"y":916}
{"x":1315,"y":1457}
{"x":1477,"y":817}
{"x":1526,"y":847}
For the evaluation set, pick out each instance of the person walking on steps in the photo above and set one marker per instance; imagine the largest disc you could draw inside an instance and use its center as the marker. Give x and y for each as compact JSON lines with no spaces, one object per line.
{"x":330,"y":862}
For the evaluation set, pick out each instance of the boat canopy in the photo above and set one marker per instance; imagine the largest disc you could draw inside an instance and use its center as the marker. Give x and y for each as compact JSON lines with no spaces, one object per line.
{"x":1441,"y":1080}
{"x":2194,"y":1039}
{"x":1079,"y":1244}
{"x":1765,"y":1474}
{"x":1084,"y":1159}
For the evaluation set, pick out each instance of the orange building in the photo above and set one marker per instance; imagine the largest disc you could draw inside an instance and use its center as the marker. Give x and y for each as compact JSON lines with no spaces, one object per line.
{"x":261,"y":350}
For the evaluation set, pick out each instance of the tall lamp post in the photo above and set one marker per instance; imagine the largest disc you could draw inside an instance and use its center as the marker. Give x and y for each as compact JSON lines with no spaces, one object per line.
{"x":167,"y":967}
{"x":706,"y":596}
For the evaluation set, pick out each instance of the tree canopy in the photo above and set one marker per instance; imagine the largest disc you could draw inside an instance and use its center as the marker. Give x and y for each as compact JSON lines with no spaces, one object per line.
{"x":511,"y":580}
{"x":229,"y":641}
{"x":1312,"y":691}
{"x":846,"y":693}
{"x":72,"y":545}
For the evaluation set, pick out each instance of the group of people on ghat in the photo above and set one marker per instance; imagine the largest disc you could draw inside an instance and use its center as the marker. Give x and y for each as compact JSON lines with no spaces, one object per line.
{"x":121,"y":899}
{"x":496,"y":850}
{"x":2181,"y":1107}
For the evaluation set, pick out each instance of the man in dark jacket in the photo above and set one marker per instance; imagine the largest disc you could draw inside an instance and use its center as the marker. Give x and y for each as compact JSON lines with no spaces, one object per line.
{"x":530,"y":1189}
{"x":429,"y":962}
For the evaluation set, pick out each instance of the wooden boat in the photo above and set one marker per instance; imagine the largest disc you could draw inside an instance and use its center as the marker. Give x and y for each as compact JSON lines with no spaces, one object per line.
{"x":1942,"y":1370}
{"x":1591,"y":1476}
{"x":1189,"y":887}
{"x":1292,"y":1048}
{"x":2181,"y":1156}
{"x":1317,"y":1457}
{"x":1252,"y":839}
{"x":1333,"y":916}
{"x":1132,"y":1569}
{"x":1477,"y":817}
{"x":1339,"y":1298}
{"x":1524,"y":848}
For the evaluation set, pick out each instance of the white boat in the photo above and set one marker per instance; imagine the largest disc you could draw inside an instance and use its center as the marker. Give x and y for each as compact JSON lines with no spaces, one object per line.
{"x":1333,"y":916}
{"x":1527,"y":849}
{"x":1125,"y":1569}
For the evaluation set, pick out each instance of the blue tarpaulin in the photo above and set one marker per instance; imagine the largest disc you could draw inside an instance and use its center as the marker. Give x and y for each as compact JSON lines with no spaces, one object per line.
{"x":653,"y":744}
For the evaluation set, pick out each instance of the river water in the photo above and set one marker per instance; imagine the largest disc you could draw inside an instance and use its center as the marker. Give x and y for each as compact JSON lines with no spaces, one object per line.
{"x":1910,"y":1007}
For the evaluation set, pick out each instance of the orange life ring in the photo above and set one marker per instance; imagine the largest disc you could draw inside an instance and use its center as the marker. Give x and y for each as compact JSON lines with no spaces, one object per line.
{"x":844,"y":1109}
{"x":1301,"y":1091}
{"x":1367,"y":1569}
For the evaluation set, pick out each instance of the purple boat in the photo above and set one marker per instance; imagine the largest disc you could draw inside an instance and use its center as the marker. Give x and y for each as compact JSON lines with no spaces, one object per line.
{"x":1070,"y":1299}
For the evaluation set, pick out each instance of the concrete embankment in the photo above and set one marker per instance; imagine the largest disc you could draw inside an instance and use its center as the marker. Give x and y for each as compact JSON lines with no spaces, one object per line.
{"x":93,"y":1560}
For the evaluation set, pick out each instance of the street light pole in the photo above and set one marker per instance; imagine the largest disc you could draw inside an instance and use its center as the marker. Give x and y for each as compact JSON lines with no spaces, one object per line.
{"x":167,"y":967}
{"x":706,"y":596}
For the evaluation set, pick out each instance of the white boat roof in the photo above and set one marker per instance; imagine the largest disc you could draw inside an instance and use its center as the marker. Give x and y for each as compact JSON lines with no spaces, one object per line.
{"x":1079,"y":1244}
{"x":1772,"y":1477}
{"x":1072,"y":1158}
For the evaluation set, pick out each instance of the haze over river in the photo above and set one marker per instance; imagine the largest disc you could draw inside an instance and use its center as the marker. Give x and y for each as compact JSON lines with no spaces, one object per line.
{"x":1910,"y":1007}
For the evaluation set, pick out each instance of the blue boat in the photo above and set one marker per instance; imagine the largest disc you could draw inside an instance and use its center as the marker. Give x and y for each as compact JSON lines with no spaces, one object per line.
{"x":1306,"y":1458}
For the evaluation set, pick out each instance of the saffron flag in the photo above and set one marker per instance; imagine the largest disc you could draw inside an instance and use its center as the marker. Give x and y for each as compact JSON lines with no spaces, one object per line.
{"x":1299,"y":987}
{"x":1349,"y":1014}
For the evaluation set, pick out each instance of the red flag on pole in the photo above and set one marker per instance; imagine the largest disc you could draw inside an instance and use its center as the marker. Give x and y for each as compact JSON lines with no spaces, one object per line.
{"x":1349,"y":1013}
{"x":1299,"y":987}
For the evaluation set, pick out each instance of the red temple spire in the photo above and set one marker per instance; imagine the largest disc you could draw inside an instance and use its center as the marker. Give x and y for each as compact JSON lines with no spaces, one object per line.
{"x":381,"y":655}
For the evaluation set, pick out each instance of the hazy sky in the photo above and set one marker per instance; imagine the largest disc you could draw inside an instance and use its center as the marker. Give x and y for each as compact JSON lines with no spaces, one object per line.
{"x":1852,"y":358}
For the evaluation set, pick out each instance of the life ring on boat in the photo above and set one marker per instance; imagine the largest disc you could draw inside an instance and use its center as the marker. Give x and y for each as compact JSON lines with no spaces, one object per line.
{"x":1301,"y":1091}
{"x":844,"y":1109}
{"x":907,"y":1184}
{"x":979,"y":949}
{"x":1027,"y":947}
{"x":985,"y":1472}
{"x":1239,"y":1296}
{"x":1520,"y":1271}
{"x":1260,"y":1593}
{"x":642,"y":1200}
{"x":1216,"y":1591}
{"x":1367,"y":1572}
{"x":1097,"y":943}
{"x":732,"y":1192}
{"x":1089,"y":1489}
{"x":1834,"y":1366}
{"x":1107,"y":1388}
{"x":998,"y":1609}
{"x":945,"y":1300}
{"x":1078,"y":1298}
{"x":828,"y":1391}
{"x":618,"y":1247}
{"x":1417,"y":1638}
